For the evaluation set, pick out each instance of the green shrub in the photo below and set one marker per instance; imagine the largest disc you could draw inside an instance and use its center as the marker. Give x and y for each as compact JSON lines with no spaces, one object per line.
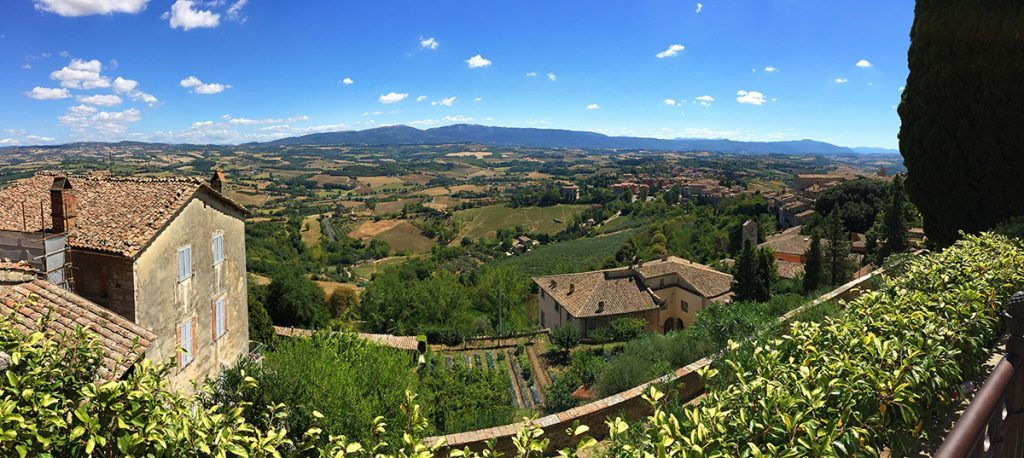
{"x":565,"y":336}
{"x":463,"y":399}
{"x":348,"y":380}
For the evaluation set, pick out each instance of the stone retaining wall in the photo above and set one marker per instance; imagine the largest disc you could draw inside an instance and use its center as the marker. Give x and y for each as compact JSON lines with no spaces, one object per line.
{"x":685,"y":383}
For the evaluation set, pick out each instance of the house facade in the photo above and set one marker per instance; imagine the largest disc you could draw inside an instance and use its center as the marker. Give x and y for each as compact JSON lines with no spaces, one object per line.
{"x":166,"y":254}
{"x":667,"y":293}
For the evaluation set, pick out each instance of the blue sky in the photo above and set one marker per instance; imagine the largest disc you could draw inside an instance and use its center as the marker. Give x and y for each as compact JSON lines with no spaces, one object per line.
{"x":231,"y":71}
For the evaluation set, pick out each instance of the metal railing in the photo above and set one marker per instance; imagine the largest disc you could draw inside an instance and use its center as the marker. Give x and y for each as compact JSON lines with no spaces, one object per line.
{"x":993,"y":424}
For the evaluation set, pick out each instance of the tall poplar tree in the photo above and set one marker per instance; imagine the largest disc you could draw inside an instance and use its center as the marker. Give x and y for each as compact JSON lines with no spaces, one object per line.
{"x":837,"y":250}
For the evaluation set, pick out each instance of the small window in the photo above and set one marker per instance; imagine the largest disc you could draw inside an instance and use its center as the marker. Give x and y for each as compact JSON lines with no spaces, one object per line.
{"x":184,"y":263}
{"x":218,"y":248}
{"x":685,"y":306}
{"x":220,"y":321}
{"x":185,"y":341}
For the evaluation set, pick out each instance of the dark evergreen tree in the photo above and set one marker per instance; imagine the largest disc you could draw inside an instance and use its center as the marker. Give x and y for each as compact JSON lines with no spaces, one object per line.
{"x":765,"y":275}
{"x":895,"y":235}
{"x":962,"y":130}
{"x":294,"y":300}
{"x":813,"y":264}
{"x":745,"y":276}
{"x":837,"y":250}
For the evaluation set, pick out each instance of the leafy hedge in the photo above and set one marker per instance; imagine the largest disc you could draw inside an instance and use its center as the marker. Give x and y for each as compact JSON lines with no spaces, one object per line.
{"x":870,"y":378}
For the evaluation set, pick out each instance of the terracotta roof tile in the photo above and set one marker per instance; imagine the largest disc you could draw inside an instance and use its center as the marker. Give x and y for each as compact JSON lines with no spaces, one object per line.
{"x":118,"y":215}
{"x":618,"y":291}
{"x":28,"y":302}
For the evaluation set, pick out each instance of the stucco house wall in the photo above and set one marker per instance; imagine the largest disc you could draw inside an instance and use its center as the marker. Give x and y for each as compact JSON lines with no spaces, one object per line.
{"x":164,"y":302}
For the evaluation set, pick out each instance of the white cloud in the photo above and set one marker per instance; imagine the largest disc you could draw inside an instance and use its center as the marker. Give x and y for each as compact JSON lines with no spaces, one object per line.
{"x":201,"y":124}
{"x":707,"y":100}
{"x":478,"y":61}
{"x":863,"y":63}
{"x":105,"y":100}
{"x":478,"y":99}
{"x":671,"y":51}
{"x":183,"y":16}
{"x":8,"y":141}
{"x":429,"y":43}
{"x":750,"y":97}
{"x":26,"y":66}
{"x":421,"y":98}
{"x":347,"y":81}
{"x":669,"y":102}
{"x":552,"y":77}
{"x":48,"y":93}
{"x":124,"y":86}
{"x":250,"y":122}
{"x":447,"y":101}
{"x":87,"y":7}
{"x":902,"y":88}
{"x":457,"y":118}
{"x":81,"y":74}
{"x":235,"y":11}
{"x":392,"y":97}
{"x":770,"y":69}
{"x":531,"y":74}
{"x":700,"y":7}
{"x":593,"y":106}
{"x":87,"y":119}
{"x":197,"y":86}
{"x":841,"y":80}
{"x":128,"y":87}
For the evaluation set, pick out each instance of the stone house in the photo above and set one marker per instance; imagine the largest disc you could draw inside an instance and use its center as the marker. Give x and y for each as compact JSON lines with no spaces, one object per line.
{"x":167,"y":254}
{"x":667,"y":293}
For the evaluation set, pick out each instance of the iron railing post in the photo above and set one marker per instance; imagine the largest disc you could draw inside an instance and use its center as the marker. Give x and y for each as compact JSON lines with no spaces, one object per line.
{"x":1014,"y":414}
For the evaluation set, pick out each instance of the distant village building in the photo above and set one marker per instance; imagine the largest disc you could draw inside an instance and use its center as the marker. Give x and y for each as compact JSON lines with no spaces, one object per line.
{"x":749,"y":232}
{"x":806,"y":180}
{"x":789,"y":248}
{"x":667,"y":293}
{"x":165,"y":255}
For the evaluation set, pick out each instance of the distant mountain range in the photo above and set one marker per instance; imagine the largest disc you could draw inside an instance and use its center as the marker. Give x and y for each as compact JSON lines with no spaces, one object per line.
{"x":523,"y":137}
{"x":559,"y":138}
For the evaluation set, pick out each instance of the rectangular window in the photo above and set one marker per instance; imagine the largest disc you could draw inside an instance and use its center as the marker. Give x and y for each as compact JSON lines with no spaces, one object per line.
{"x":219,"y":319}
{"x":685,"y":306}
{"x":185,"y":341}
{"x":184,"y":263}
{"x":218,"y":248}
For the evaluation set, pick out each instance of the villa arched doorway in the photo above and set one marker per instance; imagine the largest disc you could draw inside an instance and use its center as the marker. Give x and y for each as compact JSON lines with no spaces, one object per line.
{"x":672,"y":324}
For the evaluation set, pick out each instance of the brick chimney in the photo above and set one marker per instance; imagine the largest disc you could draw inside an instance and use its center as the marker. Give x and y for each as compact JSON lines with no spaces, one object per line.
{"x":217,"y":181}
{"x":62,"y":205}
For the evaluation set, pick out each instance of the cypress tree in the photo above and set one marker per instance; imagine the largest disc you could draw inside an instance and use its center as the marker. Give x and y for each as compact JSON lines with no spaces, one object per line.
{"x":765,"y":275}
{"x":962,"y":126}
{"x":895,"y":236}
{"x":812,"y":264}
{"x":837,"y":251}
{"x":745,"y":277}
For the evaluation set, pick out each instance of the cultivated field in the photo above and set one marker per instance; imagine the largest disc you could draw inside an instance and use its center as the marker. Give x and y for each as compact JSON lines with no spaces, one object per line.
{"x":311,"y":230}
{"x":399,"y":234}
{"x":485,"y":221}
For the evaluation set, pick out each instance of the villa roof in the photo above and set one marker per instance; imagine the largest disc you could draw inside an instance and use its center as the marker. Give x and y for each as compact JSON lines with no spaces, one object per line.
{"x":790,"y":241}
{"x":623,"y":290}
{"x":708,"y":282}
{"x":117,"y":215}
{"x":123,"y":342}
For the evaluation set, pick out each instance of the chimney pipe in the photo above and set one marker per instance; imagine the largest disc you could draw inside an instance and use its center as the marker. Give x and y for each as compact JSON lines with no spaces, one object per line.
{"x":217,"y":181}
{"x":63,"y":213}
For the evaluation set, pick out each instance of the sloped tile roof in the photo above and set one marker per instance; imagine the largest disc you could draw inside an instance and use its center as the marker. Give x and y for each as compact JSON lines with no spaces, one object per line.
{"x":788,"y":242}
{"x":118,"y":215}
{"x":12,"y":272}
{"x":122,"y":341}
{"x":625,"y":291}
{"x":705,"y":280}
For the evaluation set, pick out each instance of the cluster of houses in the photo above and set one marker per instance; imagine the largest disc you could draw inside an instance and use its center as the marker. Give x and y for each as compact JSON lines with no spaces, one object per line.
{"x":154,"y":266}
